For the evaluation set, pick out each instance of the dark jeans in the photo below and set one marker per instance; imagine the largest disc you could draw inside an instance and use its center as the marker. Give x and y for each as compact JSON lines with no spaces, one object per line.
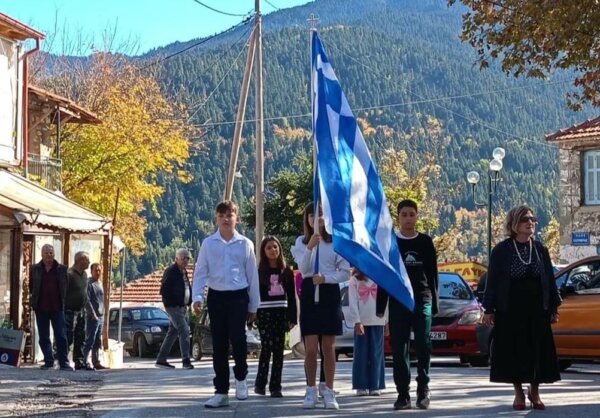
{"x":227,"y":311}
{"x":43,"y":320}
{"x":178,"y":328}
{"x":75,"y":324}
{"x":93,"y":340}
{"x":401,"y":323}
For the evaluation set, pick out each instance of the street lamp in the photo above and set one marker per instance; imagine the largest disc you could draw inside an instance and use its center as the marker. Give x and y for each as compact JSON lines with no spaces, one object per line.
{"x":493,"y":178}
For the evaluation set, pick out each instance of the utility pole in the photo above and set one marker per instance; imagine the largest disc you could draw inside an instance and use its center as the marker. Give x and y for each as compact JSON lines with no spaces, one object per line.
{"x":260,"y":169}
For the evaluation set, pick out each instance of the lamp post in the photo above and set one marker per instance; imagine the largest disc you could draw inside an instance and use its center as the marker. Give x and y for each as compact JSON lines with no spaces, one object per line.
{"x":493,"y":178}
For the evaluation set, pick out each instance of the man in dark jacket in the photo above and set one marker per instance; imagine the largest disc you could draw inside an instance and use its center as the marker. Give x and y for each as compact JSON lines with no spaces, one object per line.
{"x":176,"y":296}
{"x":75,"y":306}
{"x":48,"y":287}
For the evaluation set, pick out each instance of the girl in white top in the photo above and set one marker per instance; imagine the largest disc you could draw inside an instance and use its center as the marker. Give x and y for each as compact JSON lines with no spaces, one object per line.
{"x":368,"y":366}
{"x":320,"y":317}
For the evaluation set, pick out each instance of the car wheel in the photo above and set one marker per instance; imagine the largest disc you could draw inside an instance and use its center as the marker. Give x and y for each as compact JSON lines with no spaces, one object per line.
{"x":564,"y":364}
{"x":196,"y":352}
{"x":141,"y":346}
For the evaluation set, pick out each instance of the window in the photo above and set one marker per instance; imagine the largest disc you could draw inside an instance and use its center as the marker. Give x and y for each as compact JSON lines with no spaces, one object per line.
{"x":583,"y":278}
{"x":591,"y":177}
{"x":452,"y":286}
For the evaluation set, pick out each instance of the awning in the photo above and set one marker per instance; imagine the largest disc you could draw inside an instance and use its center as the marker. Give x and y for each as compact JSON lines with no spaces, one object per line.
{"x":34,"y":205}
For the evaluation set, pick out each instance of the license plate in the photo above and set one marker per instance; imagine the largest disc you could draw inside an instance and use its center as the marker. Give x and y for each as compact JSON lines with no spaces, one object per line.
{"x":434,"y":335}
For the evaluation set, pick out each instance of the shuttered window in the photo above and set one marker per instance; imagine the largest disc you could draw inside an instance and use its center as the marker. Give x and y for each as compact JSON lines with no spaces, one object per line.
{"x":591,"y":177}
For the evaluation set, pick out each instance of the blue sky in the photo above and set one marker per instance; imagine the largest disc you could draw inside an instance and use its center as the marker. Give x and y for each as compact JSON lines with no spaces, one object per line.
{"x":149,"y":23}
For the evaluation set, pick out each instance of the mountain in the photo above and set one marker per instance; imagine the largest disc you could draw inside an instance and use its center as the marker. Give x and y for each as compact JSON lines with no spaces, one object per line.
{"x":405,"y":73}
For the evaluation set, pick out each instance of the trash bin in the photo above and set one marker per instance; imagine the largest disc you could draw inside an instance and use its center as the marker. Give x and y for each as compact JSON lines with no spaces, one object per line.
{"x":115,"y":354}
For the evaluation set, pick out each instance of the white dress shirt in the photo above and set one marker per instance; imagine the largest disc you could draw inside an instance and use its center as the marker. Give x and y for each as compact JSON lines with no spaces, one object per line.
{"x":298,"y":250}
{"x":225,"y":266}
{"x":334,"y":268}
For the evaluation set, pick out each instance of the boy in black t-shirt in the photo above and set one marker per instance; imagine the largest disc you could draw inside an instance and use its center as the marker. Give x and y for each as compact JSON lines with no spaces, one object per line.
{"x":420,"y":259}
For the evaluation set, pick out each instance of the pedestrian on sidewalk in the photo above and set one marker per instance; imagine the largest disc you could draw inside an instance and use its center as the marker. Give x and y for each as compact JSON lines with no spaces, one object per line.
{"x":521,"y":301}
{"x":321,"y":310}
{"x":176,"y":293}
{"x":277,"y":314}
{"x":75,"y":306}
{"x":227,"y":266}
{"x":94,"y":320}
{"x":298,"y":250}
{"x":420,"y":259}
{"x":48,"y":289}
{"x":368,"y":365}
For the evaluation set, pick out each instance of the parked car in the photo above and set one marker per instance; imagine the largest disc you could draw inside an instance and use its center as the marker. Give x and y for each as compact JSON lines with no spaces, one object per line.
{"x":143,"y":329}
{"x":202,"y":340}
{"x":456,"y":329}
{"x":577,"y":333}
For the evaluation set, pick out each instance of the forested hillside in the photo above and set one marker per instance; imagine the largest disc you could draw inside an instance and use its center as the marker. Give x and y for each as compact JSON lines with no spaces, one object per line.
{"x":406,"y":75}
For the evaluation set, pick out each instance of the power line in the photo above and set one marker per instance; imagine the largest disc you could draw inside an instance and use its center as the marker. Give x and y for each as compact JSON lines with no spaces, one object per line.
{"x":219,"y":11}
{"x":203,"y":41}
{"x":272,"y":5}
{"x":200,"y":106}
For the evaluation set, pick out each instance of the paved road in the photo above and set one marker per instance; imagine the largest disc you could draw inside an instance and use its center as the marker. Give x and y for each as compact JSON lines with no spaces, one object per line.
{"x":140,"y":390}
{"x":456,"y":391}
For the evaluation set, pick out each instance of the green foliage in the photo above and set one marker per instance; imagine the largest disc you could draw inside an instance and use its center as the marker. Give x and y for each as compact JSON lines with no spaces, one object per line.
{"x":384,"y":52}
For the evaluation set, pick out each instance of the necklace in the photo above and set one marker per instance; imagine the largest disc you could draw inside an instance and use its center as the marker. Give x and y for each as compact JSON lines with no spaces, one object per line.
{"x":519,"y":254}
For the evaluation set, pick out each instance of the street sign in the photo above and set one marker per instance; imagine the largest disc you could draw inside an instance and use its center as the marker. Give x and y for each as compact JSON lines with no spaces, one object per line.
{"x":580,"y":238}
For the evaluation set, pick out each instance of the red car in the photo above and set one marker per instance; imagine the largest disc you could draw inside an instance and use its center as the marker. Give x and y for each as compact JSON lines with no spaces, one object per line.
{"x":456,"y":330}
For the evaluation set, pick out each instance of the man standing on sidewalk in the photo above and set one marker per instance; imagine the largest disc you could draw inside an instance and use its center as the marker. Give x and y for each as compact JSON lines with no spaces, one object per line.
{"x":94,"y":319}
{"x":48,"y":287}
{"x":75,"y":306}
{"x":177,"y":297}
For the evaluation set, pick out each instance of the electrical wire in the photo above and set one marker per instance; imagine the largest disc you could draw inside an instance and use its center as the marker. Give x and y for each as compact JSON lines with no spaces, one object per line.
{"x":219,"y":11}
{"x":272,"y":5}
{"x":203,"y":41}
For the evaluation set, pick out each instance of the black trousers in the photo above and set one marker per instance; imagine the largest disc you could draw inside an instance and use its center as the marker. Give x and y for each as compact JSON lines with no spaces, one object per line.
{"x":227,"y":311}
{"x":76,"y":334}
{"x":272,"y":325}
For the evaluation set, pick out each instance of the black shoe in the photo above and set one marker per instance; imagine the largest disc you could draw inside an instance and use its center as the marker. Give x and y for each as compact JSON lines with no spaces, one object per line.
{"x":259,"y":390}
{"x":47,"y":366}
{"x":89,"y":367}
{"x":186,"y":364}
{"x":164,"y":365}
{"x":423,"y":399}
{"x":66,"y":368}
{"x":403,"y":402}
{"x":98,"y":366}
{"x":276,"y":394}
{"x":79,"y":366}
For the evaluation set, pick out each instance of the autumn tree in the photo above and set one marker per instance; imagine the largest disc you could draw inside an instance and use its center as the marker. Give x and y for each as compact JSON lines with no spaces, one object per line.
{"x":142,"y":134}
{"x":551,"y":239}
{"x":533,"y":38}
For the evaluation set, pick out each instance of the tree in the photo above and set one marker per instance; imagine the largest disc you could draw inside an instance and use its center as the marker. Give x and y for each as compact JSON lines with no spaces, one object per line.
{"x":551,"y":239}
{"x":533,"y":38}
{"x":141,"y":134}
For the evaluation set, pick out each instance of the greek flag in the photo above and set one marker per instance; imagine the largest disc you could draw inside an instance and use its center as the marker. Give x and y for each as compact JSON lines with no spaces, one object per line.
{"x":351,"y":194}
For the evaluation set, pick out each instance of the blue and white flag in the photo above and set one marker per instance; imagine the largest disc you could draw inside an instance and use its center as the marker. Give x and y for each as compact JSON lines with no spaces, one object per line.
{"x":354,"y":205}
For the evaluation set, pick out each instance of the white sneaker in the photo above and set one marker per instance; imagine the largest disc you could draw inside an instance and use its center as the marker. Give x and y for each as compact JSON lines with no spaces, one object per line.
{"x":362,"y":392}
{"x":310,"y":399}
{"x":322,"y":388}
{"x":217,"y":401}
{"x":376,"y":392}
{"x":329,"y":399}
{"x":241,"y":390}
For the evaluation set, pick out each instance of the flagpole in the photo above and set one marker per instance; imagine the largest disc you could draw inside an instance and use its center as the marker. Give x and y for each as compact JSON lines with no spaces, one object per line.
{"x":313,"y":19}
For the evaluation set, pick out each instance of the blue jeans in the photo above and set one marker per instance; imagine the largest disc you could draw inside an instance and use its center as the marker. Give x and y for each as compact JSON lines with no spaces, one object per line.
{"x":368,"y":366}
{"x":178,"y":328}
{"x":92,"y":339}
{"x":401,"y":323}
{"x":43,"y":320}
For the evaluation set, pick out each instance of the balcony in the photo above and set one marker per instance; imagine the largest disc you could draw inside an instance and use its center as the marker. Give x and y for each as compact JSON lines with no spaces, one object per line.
{"x":46,"y":171}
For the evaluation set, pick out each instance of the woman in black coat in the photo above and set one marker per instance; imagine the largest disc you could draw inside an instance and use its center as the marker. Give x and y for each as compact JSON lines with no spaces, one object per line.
{"x":521,"y":301}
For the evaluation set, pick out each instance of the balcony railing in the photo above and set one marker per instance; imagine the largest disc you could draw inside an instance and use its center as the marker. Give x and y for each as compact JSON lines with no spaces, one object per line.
{"x":46,"y":171}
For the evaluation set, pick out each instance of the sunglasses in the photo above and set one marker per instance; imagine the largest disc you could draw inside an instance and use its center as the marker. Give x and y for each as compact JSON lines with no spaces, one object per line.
{"x":528,"y":218}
